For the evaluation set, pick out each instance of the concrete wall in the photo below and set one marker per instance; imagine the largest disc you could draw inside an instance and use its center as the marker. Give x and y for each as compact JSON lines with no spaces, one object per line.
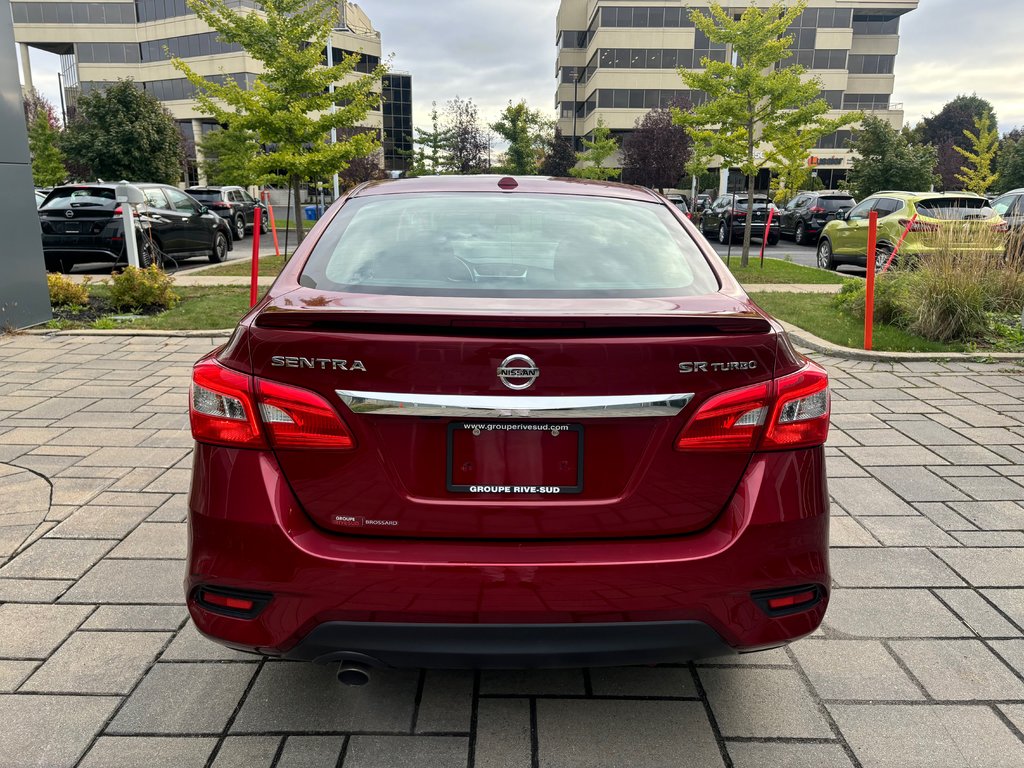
{"x":24,"y":299}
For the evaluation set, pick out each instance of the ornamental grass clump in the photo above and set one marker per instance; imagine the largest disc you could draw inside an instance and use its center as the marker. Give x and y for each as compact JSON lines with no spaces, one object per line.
{"x":142,"y":290}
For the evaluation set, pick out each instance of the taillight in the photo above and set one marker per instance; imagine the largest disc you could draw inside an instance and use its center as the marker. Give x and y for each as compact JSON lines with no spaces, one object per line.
{"x":119,"y":210}
{"x":817,"y":209}
{"x":232,"y":408}
{"x":800,"y":416}
{"x":919,"y":226}
{"x":792,"y":412}
{"x":1001,"y":227}
{"x":738,"y":213}
{"x":221,"y":206}
{"x":730,"y":421}
{"x":221,"y":407}
{"x":298,"y":418}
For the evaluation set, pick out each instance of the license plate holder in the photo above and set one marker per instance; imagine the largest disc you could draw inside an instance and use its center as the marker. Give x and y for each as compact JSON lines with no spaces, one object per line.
{"x":72,"y":228}
{"x":548,"y":458}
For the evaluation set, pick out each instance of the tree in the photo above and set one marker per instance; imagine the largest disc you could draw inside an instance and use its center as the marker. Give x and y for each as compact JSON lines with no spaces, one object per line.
{"x":362,"y":169}
{"x":789,"y":161}
{"x":559,"y":158}
{"x":429,"y":157}
{"x":945,"y":132}
{"x":753,"y":104}
{"x":523,"y":128}
{"x":229,"y":157}
{"x":884,"y":158}
{"x":467,"y":146}
{"x":1010,"y":161}
{"x":35,"y":103}
{"x":978,"y":177}
{"x":47,"y":161}
{"x":123,"y":132}
{"x":656,"y":154}
{"x":289,"y":108}
{"x":599,"y":149}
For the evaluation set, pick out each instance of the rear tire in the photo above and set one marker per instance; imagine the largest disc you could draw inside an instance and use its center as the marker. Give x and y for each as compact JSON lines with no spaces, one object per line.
{"x":220,"y":248}
{"x":724,"y":234}
{"x":826,"y":259}
{"x":147,"y":254}
{"x":264,"y":223}
{"x":882,"y":253}
{"x":239,"y":229}
{"x":800,"y":235}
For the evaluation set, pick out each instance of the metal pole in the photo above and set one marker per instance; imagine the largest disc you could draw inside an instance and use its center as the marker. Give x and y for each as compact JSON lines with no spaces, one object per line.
{"x":575,"y":100}
{"x":63,"y":110}
{"x":334,"y":106}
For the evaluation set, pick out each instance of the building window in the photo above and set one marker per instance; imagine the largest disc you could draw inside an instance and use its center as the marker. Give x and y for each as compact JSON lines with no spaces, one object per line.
{"x":834,"y":99}
{"x":866,"y":101}
{"x":73,"y":13}
{"x":573,"y":38}
{"x":861,"y":64}
{"x":648,"y":16}
{"x":648,"y":98}
{"x":876,"y":24}
{"x":107,"y":53}
{"x":186,"y":46}
{"x":837,"y":140}
{"x":823,"y":18}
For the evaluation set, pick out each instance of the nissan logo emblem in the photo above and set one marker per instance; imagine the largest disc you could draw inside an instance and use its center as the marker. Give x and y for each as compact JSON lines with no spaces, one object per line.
{"x":518,"y":372}
{"x":69,"y":213}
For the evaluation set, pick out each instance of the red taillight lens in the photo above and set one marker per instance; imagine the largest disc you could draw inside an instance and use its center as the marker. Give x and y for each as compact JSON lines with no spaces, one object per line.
{"x":789,"y":601}
{"x":817,"y":209}
{"x":731,"y":421}
{"x":223,"y":411}
{"x":224,"y":601}
{"x":792,"y":412}
{"x":738,"y":213}
{"x":919,"y":226}
{"x":220,"y":206}
{"x":801,"y":413}
{"x":298,"y":418}
{"x":119,"y":211}
{"x":1001,"y":227}
{"x":221,"y":407}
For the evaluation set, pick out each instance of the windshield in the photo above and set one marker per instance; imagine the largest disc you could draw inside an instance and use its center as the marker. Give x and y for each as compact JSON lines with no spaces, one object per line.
{"x":205,"y":195}
{"x":79,"y":196}
{"x":835,"y":203}
{"x":955,"y":208}
{"x":496,"y":244}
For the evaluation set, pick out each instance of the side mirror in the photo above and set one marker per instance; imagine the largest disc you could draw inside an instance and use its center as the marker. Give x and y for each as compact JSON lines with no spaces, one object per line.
{"x":203,"y":210}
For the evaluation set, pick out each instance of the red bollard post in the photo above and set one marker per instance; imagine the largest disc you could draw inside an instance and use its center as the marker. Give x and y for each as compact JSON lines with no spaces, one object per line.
{"x":767,"y":232}
{"x":869,"y":299}
{"x":273,"y":227}
{"x":255,"y":274}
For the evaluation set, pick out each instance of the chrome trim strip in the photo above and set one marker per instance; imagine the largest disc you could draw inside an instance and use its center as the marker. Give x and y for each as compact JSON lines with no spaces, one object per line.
{"x":530,"y":407}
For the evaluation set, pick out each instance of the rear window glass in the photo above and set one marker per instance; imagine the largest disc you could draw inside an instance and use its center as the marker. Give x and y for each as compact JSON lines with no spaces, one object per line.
{"x":835,"y":203}
{"x":79,"y":196}
{"x":205,"y":194}
{"x":955,"y":208}
{"x":470,"y":244}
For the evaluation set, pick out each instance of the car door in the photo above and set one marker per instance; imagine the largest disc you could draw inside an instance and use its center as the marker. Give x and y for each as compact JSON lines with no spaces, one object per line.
{"x":249,"y":202}
{"x":196,"y":229}
{"x":168,"y":225}
{"x":788,"y":215}
{"x":714,"y":214}
{"x":850,"y":237}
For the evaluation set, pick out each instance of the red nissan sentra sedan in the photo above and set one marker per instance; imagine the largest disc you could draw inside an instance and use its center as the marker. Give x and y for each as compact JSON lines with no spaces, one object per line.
{"x":495,"y":422}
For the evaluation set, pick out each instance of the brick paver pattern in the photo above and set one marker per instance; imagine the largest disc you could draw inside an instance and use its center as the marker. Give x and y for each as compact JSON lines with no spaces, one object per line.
{"x":920,"y":661}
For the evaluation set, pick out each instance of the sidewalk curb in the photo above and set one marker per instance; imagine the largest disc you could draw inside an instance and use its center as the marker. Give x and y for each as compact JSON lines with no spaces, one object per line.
{"x":812,"y":342}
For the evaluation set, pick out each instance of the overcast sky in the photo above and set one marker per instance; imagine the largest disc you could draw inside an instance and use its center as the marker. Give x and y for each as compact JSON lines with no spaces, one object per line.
{"x":496,"y":50}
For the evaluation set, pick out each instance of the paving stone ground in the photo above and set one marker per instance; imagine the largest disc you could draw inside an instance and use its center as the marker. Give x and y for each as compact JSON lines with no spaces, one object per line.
{"x":920,"y":661}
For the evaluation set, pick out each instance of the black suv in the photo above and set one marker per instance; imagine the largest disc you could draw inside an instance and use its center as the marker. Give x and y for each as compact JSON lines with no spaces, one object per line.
{"x":82,"y":223}
{"x":233,"y":204}
{"x":728,"y":217}
{"x":1010,"y":206}
{"x":803,"y":217}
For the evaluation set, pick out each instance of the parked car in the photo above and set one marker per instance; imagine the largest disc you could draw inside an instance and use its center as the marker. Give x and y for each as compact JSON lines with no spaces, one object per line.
{"x":1011,"y":207}
{"x":803,"y":217}
{"x":40,"y":196}
{"x":82,"y":223}
{"x":680,"y":203}
{"x":485,"y":423}
{"x":727,"y":217}
{"x":234,"y":204}
{"x":845,"y":240}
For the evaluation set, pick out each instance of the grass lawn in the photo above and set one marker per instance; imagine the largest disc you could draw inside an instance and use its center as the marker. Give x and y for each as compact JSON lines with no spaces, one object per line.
{"x":779,"y":271}
{"x":269,"y":267}
{"x":814,"y":312}
{"x":200,"y":308}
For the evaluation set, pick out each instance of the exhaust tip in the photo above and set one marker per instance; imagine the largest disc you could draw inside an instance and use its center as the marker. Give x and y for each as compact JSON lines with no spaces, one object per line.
{"x":353,"y":673}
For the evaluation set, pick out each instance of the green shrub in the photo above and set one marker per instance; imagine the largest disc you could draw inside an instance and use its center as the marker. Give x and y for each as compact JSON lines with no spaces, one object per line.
{"x":890,"y":298}
{"x":142,"y":290}
{"x":65,"y":293}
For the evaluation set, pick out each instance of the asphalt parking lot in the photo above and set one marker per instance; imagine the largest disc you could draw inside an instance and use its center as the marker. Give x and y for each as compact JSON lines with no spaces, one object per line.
{"x":920,"y":661}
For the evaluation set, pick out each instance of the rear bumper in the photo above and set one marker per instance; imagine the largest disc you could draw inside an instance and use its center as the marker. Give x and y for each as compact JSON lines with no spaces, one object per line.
{"x":409,"y":602}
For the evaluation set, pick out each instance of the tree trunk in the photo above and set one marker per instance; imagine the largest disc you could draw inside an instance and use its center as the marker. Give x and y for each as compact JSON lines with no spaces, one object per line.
{"x":296,"y":183}
{"x":745,"y":258}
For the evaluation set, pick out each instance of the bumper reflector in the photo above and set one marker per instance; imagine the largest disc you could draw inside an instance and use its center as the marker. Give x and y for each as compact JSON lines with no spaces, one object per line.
{"x":785,"y":601}
{"x":243,"y":605}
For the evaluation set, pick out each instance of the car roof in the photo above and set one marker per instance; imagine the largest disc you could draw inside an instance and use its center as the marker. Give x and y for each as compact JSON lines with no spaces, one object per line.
{"x":915,"y":195}
{"x":489,"y":183}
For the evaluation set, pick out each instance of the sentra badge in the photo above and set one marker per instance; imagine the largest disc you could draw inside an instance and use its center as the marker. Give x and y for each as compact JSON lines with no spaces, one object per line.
{"x":323,"y":363}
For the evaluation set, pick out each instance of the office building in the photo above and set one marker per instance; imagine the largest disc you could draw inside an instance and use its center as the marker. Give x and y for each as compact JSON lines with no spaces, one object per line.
{"x":616,"y":60}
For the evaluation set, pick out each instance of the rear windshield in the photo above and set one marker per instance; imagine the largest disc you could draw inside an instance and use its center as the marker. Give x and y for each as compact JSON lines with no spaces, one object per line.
{"x":497,"y":244}
{"x":205,"y":194}
{"x":759,"y":202}
{"x":955,"y":208}
{"x":79,"y":196}
{"x":835,"y":203}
